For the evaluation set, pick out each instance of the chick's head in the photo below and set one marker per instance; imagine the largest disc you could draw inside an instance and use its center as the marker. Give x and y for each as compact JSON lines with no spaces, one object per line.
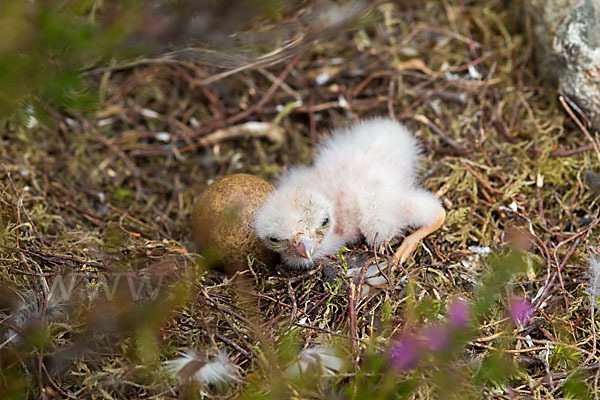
{"x":297,"y":223}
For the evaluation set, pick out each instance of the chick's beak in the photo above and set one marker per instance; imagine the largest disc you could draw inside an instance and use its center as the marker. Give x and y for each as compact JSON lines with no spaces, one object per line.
{"x":305,"y":248}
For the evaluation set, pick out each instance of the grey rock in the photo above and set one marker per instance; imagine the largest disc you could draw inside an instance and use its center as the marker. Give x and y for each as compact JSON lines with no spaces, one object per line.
{"x":567,"y":49}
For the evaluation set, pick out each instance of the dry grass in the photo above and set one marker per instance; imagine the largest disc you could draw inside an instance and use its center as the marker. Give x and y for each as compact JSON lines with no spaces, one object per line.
{"x":109,"y":193}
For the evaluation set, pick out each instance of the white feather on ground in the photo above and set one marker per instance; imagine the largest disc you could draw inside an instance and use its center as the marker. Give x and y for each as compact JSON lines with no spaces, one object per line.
{"x":372,"y":278}
{"x":216,"y":371}
{"x":29,"y":313}
{"x":361,"y":185}
{"x":593,"y":289}
{"x":318,"y":359}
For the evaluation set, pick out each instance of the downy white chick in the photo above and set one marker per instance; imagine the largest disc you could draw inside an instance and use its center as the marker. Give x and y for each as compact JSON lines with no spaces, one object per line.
{"x":361,"y":184}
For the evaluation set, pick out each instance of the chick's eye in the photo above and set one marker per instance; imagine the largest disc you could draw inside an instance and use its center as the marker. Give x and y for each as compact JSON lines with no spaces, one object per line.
{"x":273,"y":240}
{"x":325,"y":222}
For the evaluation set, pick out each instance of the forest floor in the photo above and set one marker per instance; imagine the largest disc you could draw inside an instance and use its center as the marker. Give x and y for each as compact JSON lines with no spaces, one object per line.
{"x":103,"y":200}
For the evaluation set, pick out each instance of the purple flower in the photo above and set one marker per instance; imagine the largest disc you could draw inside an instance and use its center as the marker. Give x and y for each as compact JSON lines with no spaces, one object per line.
{"x":459,"y":314}
{"x":521,"y":311}
{"x":436,"y":338}
{"x":405,"y":354}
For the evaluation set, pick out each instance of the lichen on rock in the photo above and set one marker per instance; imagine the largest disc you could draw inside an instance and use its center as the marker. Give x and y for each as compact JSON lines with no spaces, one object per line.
{"x":567,"y":49}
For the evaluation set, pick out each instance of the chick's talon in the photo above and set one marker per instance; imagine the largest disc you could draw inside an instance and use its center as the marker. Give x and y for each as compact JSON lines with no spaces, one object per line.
{"x":411,"y":242}
{"x":408,"y":246}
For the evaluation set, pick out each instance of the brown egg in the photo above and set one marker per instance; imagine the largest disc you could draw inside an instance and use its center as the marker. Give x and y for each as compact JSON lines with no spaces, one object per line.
{"x":222,"y":220}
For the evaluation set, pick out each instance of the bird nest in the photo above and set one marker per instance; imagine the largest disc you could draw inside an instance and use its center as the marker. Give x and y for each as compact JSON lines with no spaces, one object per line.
{"x":99,"y":204}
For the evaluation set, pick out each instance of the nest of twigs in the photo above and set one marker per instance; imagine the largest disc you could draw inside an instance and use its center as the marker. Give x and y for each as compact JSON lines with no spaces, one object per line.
{"x":102,"y":203}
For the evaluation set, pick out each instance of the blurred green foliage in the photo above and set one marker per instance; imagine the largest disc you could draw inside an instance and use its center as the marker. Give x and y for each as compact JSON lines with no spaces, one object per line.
{"x":443,"y":373}
{"x":46,"y":45}
{"x":14,"y":383}
{"x":502,"y":267}
{"x":575,"y":388}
